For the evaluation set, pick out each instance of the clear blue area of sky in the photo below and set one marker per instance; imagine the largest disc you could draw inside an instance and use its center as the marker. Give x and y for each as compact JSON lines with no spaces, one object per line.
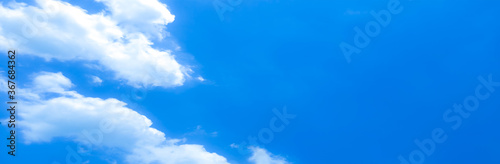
{"x":271,"y":54}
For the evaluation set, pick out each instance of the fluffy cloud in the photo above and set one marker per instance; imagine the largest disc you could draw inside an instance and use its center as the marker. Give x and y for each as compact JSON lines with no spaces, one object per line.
{"x":56,"y":112}
{"x":96,"y":80}
{"x":145,"y":16}
{"x":262,"y":156}
{"x":182,"y":154}
{"x":117,"y":40}
{"x":51,"y":82}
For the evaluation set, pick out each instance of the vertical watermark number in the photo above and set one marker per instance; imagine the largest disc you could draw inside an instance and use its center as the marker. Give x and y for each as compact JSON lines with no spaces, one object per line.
{"x":11,"y":64}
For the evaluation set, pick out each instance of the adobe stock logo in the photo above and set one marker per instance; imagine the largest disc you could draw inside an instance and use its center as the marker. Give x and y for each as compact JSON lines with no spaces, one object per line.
{"x":222,"y":7}
{"x":277,"y":124}
{"x":454,"y":117}
{"x":372,"y":29}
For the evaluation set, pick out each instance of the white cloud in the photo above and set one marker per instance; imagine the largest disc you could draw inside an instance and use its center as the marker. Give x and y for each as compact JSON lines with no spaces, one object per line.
{"x":145,"y":16}
{"x":199,"y":131}
{"x":234,"y":146}
{"x":51,"y":82}
{"x":262,"y":156}
{"x":96,"y":80}
{"x":74,"y":116}
{"x":118,"y":41}
{"x":182,"y":154}
{"x":201,"y":78}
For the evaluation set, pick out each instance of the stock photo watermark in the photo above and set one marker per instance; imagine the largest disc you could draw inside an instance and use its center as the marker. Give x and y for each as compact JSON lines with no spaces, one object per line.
{"x":93,"y":137}
{"x":363,"y":36}
{"x":29,"y":29}
{"x":277,"y":124}
{"x":11,"y":104}
{"x":223,"y":6}
{"x":454,"y":117}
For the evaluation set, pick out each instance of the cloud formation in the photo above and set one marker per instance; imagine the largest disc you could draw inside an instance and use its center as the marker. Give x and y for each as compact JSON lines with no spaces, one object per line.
{"x":56,"y":111}
{"x":145,"y":16}
{"x":96,"y":80}
{"x":118,"y":39}
{"x":262,"y":156}
{"x":53,"y":111}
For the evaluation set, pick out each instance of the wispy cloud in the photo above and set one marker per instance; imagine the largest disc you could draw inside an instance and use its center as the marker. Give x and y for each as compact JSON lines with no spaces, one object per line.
{"x":262,"y":156}
{"x":96,"y":80}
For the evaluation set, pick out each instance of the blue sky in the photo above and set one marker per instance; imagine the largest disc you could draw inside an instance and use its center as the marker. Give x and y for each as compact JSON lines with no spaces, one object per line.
{"x":208,"y":84}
